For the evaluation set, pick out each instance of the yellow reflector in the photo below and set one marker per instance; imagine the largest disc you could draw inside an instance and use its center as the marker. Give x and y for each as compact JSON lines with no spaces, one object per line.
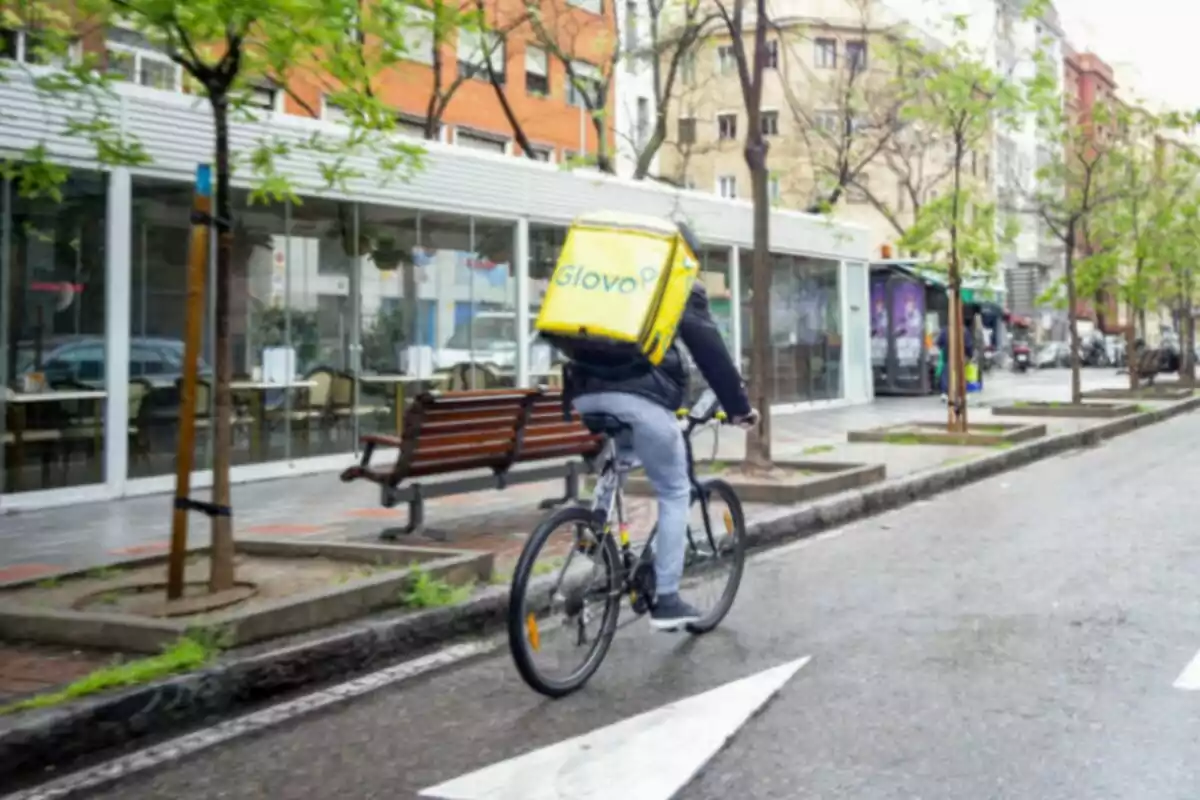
{"x":728,"y":521}
{"x":531,"y":627}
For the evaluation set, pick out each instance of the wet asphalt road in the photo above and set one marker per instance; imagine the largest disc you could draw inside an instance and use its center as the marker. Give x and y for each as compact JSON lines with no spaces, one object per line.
{"x":1014,"y":639}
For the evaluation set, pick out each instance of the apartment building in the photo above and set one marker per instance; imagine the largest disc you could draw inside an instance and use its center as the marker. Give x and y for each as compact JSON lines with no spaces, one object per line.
{"x":1088,"y":81}
{"x":635,"y":104}
{"x":549,"y":107}
{"x":815,"y":61}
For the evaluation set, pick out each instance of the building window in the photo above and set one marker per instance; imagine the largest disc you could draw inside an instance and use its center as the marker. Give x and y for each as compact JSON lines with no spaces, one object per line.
{"x":631,"y":26}
{"x":131,"y":57}
{"x":687,"y":68}
{"x":772,"y":54}
{"x":537,"y":72}
{"x":264,"y":98}
{"x":774,"y":189}
{"x":418,"y":35}
{"x":769,"y":122}
{"x":584,"y":91}
{"x":856,"y":55}
{"x":592,"y":6}
{"x":542,"y":153}
{"x":476,"y":50}
{"x":414,"y":126}
{"x":827,"y":122}
{"x":727,"y":186}
{"x":332,"y":112}
{"x":643,"y":121}
{"x":826,"y":53}
{"x":726,"y":63}
{"x":687,"y":130}
{"x":726,"y":126}
{"x":480,"y":141}
{"x":21,"y":46}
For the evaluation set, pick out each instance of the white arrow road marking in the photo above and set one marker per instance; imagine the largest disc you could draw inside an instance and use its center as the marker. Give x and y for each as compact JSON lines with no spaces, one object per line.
{"x":648,"y":757}
{"x":1189,"y":679}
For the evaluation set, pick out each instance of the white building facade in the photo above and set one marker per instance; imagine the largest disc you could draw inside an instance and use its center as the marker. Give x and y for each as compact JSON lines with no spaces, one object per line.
{"x":635,"y":99}
{"x":344,"y":302}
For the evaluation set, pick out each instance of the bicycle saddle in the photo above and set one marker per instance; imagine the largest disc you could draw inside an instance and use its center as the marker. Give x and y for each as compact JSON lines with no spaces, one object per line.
{"x":604,"y":424}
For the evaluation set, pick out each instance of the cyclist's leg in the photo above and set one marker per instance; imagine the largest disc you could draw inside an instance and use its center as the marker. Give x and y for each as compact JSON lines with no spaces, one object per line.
{"x":658,"y":444}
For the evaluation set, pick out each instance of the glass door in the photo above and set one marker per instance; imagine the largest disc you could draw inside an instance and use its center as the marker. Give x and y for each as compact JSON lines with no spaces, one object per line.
{"x":856,"y":356}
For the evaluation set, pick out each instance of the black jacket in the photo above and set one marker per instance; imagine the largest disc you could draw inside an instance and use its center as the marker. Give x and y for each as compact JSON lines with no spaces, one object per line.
{"x":667,"y":383}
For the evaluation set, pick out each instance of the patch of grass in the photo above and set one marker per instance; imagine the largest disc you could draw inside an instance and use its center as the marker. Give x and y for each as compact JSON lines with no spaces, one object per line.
{"x":184,"y":655}
{"x":109,"y":599}
{"x":817,"y":449}
{"x":1002,"y":445}
{"x":426,"y":591}
{"x":1142,"y":408}
{"x":103,"y":573}
{"x":994,"y":429}
{"x":901,"y":438}
{"x":49,"y":583}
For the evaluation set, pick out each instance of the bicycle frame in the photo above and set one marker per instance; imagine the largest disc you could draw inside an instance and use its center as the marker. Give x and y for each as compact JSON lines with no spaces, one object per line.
{"x":611,"y":483}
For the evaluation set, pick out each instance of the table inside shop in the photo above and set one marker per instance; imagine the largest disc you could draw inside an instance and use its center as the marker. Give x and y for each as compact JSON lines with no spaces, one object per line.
{"x":259,"y":389}
{"x":398,"y":382}
{"x":20,"y":401}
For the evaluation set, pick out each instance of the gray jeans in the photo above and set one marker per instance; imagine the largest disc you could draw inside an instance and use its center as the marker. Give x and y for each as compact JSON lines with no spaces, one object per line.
{"x":657,"y":442}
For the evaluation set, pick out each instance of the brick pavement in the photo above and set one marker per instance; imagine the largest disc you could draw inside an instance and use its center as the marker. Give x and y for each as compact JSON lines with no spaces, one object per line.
{"x":28,"y":669}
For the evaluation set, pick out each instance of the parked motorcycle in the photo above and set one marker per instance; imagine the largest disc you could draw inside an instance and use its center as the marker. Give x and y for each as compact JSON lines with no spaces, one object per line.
{"x":1094,"y":352}
{"x":1021,"y":356}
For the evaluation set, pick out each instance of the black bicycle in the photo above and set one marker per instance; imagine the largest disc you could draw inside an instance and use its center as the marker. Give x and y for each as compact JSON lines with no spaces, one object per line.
{"x":547,"y":596}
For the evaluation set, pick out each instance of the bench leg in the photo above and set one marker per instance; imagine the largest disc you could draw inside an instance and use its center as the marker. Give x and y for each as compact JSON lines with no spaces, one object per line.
{"x":416,"y":517}
{"x":572,"y":490}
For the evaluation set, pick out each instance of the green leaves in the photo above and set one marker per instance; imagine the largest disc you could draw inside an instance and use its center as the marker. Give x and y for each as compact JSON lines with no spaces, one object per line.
{"x":956,"y":98}
{"x":312,"y":51}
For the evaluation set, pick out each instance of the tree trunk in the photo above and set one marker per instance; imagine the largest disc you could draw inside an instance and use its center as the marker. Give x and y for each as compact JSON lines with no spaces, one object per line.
{"x":1131,"y":358}
{"x":758,"y":442}
{"x":1187,"y":330}
{"x":221,"y":576}
{"x":1072,"y":321}
{"x":956,"y":400}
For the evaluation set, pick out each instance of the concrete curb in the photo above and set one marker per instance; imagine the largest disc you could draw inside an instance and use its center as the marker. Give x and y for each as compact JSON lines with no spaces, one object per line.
{"x":33,"y":741}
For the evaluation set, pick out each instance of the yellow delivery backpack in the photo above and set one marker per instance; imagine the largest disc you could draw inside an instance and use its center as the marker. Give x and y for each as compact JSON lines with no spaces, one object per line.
{"x":621,"y":284}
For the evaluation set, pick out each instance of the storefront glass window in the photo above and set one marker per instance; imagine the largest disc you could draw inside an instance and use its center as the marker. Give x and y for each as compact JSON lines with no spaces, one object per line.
{"x":805,"y":349}
{"x":53,"y":287}
{"x":159,"y":236}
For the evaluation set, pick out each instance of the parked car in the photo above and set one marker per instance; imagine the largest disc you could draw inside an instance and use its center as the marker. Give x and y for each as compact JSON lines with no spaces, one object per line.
{"x":1053,"y":354}
{"x":81,"y":359}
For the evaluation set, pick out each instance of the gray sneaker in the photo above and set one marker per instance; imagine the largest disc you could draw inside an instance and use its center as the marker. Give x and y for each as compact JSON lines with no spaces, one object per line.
{"x":670,"y":613}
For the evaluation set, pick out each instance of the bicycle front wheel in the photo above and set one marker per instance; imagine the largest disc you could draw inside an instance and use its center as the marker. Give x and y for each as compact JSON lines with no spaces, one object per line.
{"x":568,"y":575}
{"x":716,"y":552}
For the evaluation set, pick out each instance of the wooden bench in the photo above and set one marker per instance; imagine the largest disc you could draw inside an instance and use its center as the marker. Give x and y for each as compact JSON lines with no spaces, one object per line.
{"x":1148,"y":363}
{"x":446,"y":433}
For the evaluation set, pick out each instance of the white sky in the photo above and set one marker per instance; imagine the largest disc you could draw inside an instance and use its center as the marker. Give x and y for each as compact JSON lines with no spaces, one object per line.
{"x":1151,"y":44}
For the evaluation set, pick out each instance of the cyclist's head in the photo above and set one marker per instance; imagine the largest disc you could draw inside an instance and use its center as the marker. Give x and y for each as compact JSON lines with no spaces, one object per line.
{"x":688,"y":236}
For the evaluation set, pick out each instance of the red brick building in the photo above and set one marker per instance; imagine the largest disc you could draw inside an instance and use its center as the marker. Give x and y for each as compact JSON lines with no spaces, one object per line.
{"x":1087,"y":81}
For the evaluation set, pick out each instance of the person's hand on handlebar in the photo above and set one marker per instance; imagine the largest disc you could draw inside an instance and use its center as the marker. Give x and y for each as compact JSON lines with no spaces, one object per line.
{"x":749,"y":421}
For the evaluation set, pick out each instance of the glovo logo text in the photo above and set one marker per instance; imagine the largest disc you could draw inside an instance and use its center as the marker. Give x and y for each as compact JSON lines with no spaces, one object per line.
{"x":591,"y":280}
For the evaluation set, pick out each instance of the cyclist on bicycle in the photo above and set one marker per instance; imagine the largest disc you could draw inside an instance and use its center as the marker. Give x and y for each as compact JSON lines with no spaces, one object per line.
{"x":645,"y":399}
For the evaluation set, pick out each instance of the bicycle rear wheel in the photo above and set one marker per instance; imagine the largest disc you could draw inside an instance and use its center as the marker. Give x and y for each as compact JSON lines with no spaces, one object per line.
{"x":716,"y":545}
{"x":541,"y":600}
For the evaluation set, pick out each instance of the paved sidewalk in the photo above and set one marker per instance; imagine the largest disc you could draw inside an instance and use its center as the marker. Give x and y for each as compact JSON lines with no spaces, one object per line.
{"x":320,"y":506}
